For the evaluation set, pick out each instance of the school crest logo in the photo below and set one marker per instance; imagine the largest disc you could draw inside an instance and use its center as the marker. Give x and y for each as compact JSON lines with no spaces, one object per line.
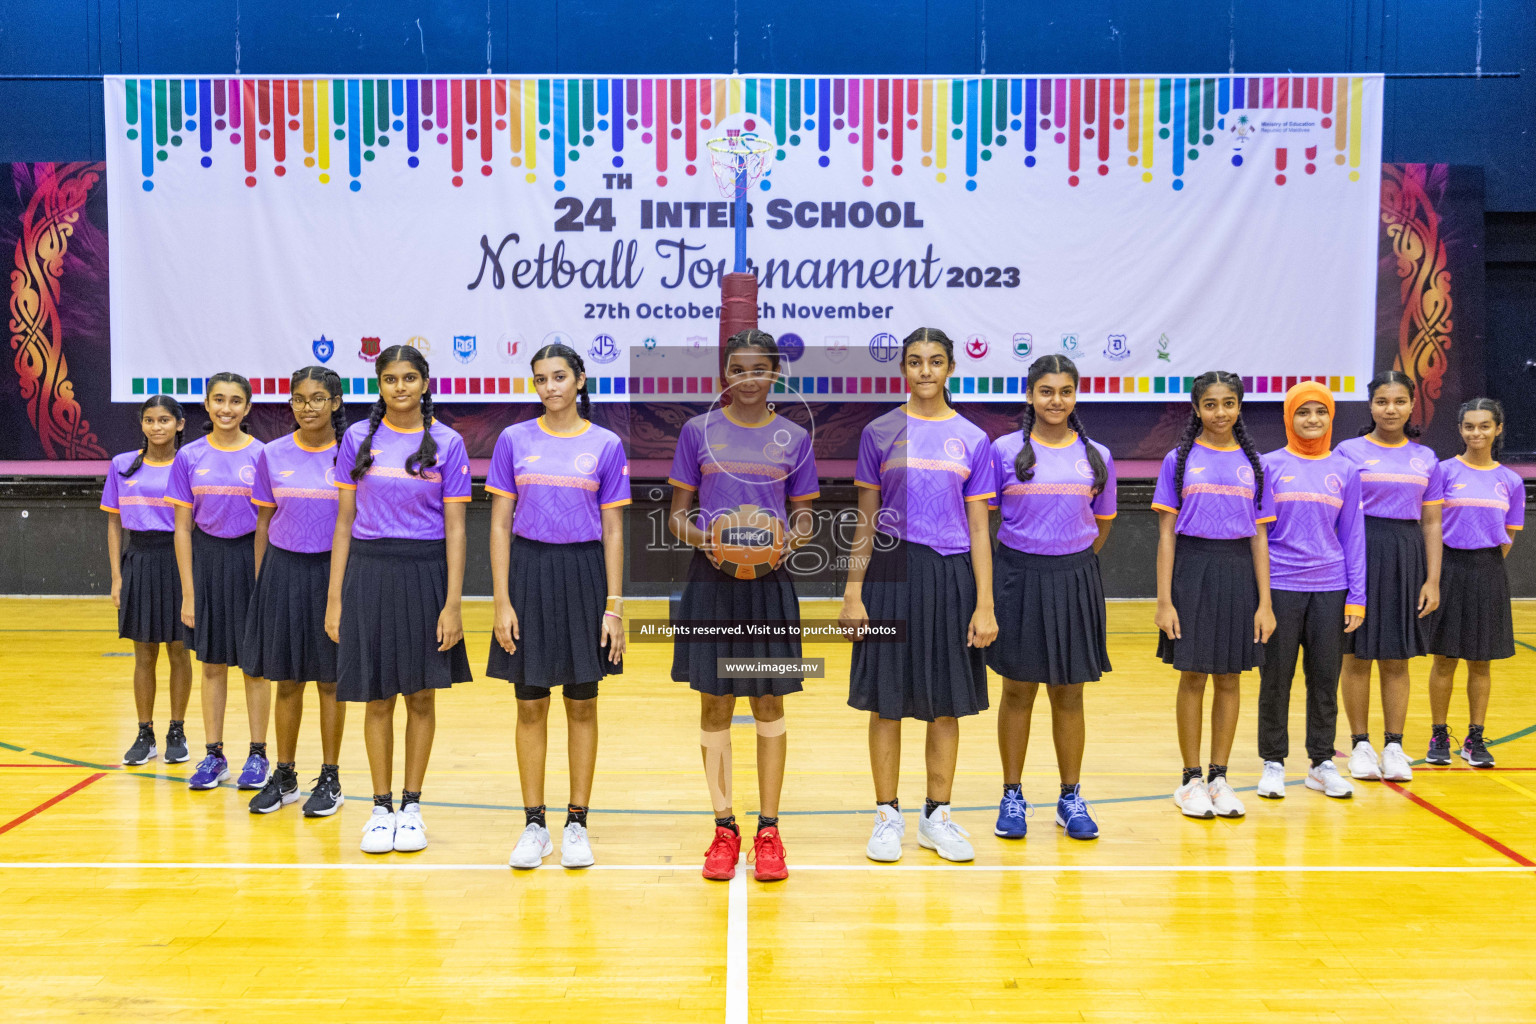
{"x":370,"y":350}
{"x":1083,"y":469}
{"x":323,"y":348}
{"x":420,"y":344}
{"x":1117,"y":348}
{"x":508,"y":345}
{"x":604,"y":349}
{"x":954,"y":448}
{"x":586,"y":462}
{"x":1419,"y":465}
{"x":1162,"y":349}
{"x":837,"y":347}
{"x":1023,"y":344}
{"x":976,"y":346}
{"x":883,"y":347}
{"x":650,"y":344}
{"x":464,"y":347}
{"x":1069,"y":342}
{"x":791,"y":347}
{"x":1245,"y":475}
{"x":1333,"y":483}
{"x":248,"y":474}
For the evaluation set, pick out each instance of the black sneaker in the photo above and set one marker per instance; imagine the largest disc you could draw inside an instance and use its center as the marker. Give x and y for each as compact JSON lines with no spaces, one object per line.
{"x":143,"y":748}
{"x":1474,"y":751}
{"x":176,"y":744}
{"x":1439,"y":748}
{"x":327,"y":798}
{"x":282,"y":788}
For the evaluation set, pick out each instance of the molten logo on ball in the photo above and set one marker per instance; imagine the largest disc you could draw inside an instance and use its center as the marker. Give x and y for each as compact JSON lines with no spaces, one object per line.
{"x":748,"y":540}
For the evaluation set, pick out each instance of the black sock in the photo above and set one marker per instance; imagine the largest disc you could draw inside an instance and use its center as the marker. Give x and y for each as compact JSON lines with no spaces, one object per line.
{"x":534,"y":815}
{"x":333,"y":769}
{"x":215,"y":749}
{"x":930,"y":805}
{"x":178,"y":724}
{"x":147,"y":725}
{"x":1357,"y":738}
{"x":1217,"y":771}
{"x":384,"y":800}
{"x":1318,"y":760}
{"x":1191,"y":775}
{"x":1016,"y":788}
{"x":729,"y":821}
{"x":1475,"y":732}
{"x":259,"y":748}
{"x":893,"y":803}
{"x":288,"y":770}
{"x":575,"y":815}
{"x":408,"y":797}
{"x":1393,"y":737}
{"x":1441,"y":730}
{"x":1067,"y":790}
{"x":763,"y":821}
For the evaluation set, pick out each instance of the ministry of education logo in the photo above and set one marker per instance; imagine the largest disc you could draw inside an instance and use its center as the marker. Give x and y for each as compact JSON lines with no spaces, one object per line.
{"x":1118,"y":348}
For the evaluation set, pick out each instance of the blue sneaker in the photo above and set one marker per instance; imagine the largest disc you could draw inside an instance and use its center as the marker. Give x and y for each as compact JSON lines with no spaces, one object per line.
{"x":1072,"y":815}
{"x":1012,"y":815}
{"x":254,"y":775}
{"x":211,"y":771}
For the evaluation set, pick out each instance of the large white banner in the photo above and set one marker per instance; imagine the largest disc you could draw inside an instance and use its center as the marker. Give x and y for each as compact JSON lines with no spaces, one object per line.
{"x":1150,"y":228}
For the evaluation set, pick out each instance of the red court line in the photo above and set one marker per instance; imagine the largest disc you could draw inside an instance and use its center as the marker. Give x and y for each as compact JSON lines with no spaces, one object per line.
{"x":39,"y":766}
{"x":1447,"y":816}
{"x":40,"y":808}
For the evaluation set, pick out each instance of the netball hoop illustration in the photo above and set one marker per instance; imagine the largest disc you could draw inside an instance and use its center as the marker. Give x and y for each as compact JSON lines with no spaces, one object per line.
{"x":739,"y":159}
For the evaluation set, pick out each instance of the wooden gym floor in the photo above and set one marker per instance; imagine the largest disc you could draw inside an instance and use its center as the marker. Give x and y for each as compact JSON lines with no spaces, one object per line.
{"x":125,"y":897}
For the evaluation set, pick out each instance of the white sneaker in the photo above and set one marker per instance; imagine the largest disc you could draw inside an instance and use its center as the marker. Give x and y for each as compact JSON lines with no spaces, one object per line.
{"x":410,"y":833}
{"x":575,"y":851}
{"x":1363,"y":763}
{"x":379,"y":832}
{"x":1194,"y":799}
{"x":1395,"y":766}
{"x":1272,"y":782}
{"x":1225,"y":801}
{"x":944,"y":836}
{"x":885,"y":840}
{"x":532,"y":847}
{"x":1325,"y":778}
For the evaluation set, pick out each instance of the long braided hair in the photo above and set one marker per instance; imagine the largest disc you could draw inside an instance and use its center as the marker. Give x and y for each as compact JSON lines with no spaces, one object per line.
{"x":331,"y":381}
{"x":171,"y":406}
{"x":426,"y":455}
{"x":1381,"y":380}
{"x":1024,"y":465}
{"x":578,"y":367}
{"x":938,"y":337}
{"x":229,"y":378}
{"x":1192,"y":430}
{"x":1492,"y":405}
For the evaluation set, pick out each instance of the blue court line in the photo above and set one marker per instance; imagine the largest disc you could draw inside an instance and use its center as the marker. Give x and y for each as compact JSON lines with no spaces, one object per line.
{"x":1528,"y":730}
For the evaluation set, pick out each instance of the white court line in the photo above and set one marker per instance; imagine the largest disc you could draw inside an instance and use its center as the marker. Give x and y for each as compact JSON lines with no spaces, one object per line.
{"x":959,"y":871}
{"x":736,"y":947}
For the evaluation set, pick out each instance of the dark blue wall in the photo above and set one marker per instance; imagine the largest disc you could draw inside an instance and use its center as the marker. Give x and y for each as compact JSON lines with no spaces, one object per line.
{"x":1465,"y":121}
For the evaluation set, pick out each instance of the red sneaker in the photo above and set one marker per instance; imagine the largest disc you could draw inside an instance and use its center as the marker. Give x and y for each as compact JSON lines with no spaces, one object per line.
{"x":720,"y":861}
{"x":768,"y":856}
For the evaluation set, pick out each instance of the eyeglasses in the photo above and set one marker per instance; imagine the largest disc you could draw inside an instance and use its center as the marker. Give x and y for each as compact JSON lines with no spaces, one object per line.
{"x":317,"y":403}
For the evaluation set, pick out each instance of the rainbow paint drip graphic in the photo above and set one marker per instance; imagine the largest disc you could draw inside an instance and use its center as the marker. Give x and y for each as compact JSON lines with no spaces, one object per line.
{"x":332,"y":129}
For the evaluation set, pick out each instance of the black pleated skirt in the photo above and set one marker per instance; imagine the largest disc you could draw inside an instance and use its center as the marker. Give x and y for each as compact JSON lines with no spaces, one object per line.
{"x":1216,"y":595}
{"x":712,"y":596}
{"x":1051,"y":625}
{"x":223,"y":577}
{"x":285,"y":628}
{"x":935,"y":674}
{"x":1394,"y":571}
{"x":149,"y":604}
{"x":559,"y":592}
{"x":391,"y":596}
{"x":1474,"y":619}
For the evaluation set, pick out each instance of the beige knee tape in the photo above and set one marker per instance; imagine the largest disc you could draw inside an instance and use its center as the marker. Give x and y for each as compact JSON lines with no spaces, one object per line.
{"x":768,"y":730}
{"x":717,"y":765}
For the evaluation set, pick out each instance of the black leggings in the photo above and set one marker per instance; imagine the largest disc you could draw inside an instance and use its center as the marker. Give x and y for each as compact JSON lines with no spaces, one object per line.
{"x":573,"y":691}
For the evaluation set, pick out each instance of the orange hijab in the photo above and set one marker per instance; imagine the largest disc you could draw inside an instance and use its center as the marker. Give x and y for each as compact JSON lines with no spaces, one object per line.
{"x":1299,"y":395}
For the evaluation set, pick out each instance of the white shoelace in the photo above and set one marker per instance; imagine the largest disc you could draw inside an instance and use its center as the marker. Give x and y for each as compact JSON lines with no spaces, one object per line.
{"x":948,"y":825}
{"x":885,"y":827}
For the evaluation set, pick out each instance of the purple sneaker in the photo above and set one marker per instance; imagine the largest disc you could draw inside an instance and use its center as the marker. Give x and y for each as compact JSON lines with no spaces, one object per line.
{"x":211,"y":771}
{"x":254,"y":775}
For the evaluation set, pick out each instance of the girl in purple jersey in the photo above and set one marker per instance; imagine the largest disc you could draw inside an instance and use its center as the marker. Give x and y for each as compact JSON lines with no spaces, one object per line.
{"x":1317,"y":586}
{"x":1056,"y":489}
{"x":210,"y":486}
{"x":1213,"y":604}
{"x":1403,"y":491}
{"x":146,"y":588}
{"x":1484,"y":509}
{"x":741,"y":455}
{"x":296,"y":500}
{"x":397,"y":583}
{"x":921,"y":559}
{"x":558,"y":587}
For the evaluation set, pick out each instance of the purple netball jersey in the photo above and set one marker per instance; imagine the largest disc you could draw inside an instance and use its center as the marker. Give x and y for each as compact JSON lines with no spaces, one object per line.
{"x":1317,"y":541}
{"x":1054,"y":512}
{"x":926,"y":470}
{"x":1219,"y":500}
{"x":1481,"y":504}
{"x":300,"y":483}
{"x":139,"y":500}
{"x":393,"y":503}
{"x":562,"y":482}
{"x":1396,"y":481}
{"x":215,"y":483}
{"x":730,"y":464}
